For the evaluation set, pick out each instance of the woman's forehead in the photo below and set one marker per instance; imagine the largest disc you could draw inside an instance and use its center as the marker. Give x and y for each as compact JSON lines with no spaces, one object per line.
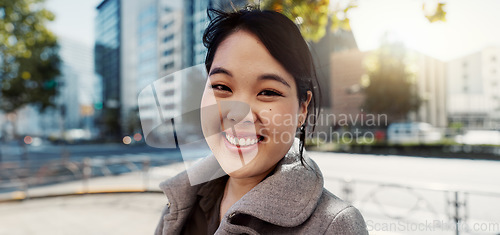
{"x":242,"y":53}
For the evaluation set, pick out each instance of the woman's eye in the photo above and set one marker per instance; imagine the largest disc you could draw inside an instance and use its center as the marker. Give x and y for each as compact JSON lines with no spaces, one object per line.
{"x":220,"y":87}
{"x":270,"y":93}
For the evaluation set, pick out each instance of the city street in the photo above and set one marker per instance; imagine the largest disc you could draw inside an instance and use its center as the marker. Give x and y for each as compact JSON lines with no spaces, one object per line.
{"x":396,"y":195}
{"x":93,"y":92}
{"x":11,"y":152}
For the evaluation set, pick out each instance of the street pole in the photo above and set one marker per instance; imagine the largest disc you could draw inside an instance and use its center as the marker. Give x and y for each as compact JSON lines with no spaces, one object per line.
{"x":456,"y":217}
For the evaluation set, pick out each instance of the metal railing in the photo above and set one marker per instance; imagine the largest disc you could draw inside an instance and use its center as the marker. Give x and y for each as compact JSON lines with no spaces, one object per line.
{"x":456,"y":202}
{"x":23,"y":176}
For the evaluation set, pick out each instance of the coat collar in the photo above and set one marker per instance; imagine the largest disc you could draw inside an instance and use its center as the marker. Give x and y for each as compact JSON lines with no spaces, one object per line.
{"x":286,"y":198}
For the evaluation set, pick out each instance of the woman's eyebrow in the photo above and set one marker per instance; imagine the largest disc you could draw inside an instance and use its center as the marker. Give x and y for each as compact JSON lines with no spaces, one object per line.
{"x":217,"y":70}
{"x":268,"y":76}
{"x":274,"y":77}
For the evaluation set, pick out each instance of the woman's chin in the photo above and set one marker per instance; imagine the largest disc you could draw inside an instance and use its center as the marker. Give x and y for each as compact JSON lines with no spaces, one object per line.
{"x":232,"y":157}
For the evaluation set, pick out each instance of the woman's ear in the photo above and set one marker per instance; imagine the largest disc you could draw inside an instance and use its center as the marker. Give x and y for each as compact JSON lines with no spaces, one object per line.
{"x":303,"y":108}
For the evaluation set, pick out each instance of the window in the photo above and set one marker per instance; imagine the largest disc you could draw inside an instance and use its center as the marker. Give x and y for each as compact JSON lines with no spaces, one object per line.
{"x":168,"y":52}
{"x":169,"y":106}
{"x":168,"y":38}
{"x":169,"y":93}
{"x":167,"y":25}
{"x":168,"y":66}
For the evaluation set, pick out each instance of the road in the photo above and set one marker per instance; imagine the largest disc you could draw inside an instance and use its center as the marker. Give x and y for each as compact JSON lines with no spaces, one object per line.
{"x":396,"y":194}
{"x":12,"y":152}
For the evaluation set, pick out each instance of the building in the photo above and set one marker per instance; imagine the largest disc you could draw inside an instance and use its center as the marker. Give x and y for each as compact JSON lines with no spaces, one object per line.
{"x":346,"y":87}
{"x":107,"y":63}
{"x":170,"y":39}
{"x":431,"y":87}
{"x":176,"y":96}
{"x":139,"y":59}
{"x":195,"y":22}
{"x":474,"y":89}
{"x":347,"y":68}
{"x":141,"y":48}
{"x":155,"y":39}
{"x":332,"y":42}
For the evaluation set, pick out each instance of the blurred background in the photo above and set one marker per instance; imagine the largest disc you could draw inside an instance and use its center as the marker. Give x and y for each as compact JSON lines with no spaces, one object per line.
{"x":409,"y":130}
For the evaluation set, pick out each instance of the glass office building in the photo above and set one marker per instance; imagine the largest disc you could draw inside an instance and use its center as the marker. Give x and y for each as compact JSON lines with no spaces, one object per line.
{"x":195,"y":21}
{"x":107,"y":61}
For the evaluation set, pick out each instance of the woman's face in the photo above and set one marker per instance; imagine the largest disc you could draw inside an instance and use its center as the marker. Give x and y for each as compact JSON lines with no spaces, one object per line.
{"x":250,"y":110}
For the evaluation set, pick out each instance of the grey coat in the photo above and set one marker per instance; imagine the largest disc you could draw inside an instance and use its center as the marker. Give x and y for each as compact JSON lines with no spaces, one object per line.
{"x":290,"y":201}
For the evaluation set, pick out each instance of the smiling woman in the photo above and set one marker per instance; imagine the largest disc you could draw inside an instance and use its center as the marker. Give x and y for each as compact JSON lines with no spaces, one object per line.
{"x":270,"y":93}
{"x":262,"y":84}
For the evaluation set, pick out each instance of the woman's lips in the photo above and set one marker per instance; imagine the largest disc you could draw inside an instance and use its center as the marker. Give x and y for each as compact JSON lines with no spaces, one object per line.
{"x":242,"y":144}
{"x":242,"y":140}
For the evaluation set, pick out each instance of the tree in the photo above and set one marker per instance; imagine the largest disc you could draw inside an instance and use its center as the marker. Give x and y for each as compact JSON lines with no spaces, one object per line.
{"x":389,"y":85}
{"x":314,"y":16}
{"x":29,"y":60}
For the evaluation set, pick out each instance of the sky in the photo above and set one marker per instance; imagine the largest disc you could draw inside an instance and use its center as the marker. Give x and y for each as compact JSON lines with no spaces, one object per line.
{"x":470,"y":26}
{"x":74,"y":19}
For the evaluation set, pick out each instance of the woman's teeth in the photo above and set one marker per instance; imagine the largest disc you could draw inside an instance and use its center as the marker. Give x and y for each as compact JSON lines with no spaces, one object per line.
{"x":241,"y":141}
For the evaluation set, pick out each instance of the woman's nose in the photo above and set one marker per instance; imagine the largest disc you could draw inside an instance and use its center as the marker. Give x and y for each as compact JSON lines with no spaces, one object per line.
{"x":236,"y":112}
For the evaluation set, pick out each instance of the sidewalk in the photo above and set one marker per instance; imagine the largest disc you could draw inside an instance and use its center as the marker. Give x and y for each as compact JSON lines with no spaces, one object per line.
{"x":134,"y":182}
{"x":107,"y":213}
{"x":83,"y":214}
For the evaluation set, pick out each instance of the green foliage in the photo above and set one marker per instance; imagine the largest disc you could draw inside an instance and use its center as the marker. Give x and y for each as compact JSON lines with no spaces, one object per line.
{"x":456,"y":125}
{"x":438,"y":14}
{"x":314,"y":16}
{"x":311,"y":15}
{"x":29,"y":60}
{"x":390,"y":88}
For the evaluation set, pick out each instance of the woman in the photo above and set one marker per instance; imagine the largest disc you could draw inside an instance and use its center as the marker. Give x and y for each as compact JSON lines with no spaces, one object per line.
{"x":263,"y":87}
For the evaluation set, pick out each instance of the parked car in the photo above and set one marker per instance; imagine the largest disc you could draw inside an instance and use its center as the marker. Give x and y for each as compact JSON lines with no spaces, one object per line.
{"x":478,"y":137}
{"x":412,"y":133}
{"x":70,"y":136}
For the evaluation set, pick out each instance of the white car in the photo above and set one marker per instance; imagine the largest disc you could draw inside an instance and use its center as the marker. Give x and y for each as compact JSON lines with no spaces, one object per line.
{"x":477,"y":137}
{"x":412,"y":133}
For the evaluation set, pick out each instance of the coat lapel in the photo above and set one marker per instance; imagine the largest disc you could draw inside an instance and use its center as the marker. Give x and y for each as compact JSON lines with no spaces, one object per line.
{"x":182,"y":190}
{"x":288,"y":197}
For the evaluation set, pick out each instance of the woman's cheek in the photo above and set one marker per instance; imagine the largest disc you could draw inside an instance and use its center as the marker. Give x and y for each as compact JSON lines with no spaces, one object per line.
{"x":264,"y":116}
{"x":209,"y":112}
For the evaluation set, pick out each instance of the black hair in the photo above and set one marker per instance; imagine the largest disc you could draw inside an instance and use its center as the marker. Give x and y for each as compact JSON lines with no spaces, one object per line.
{"x":283,"y":40}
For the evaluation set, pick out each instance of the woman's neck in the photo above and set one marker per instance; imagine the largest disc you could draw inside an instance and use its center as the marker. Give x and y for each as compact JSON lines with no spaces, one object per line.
{"x":236,"y":188}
